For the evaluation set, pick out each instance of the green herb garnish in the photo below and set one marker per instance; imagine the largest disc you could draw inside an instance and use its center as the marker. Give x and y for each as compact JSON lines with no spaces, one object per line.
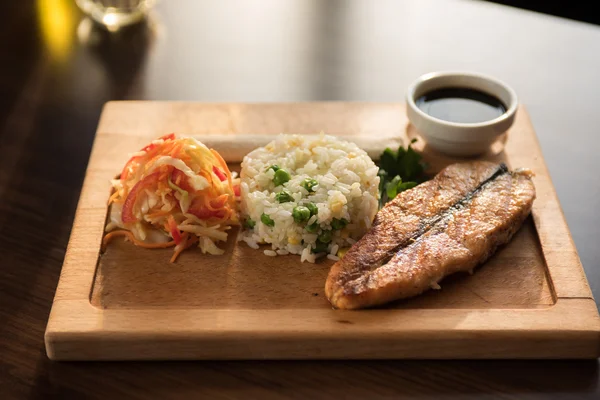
{"x":249,"y":224}
{"x":399,"y":171}
{"x":396,"y":186}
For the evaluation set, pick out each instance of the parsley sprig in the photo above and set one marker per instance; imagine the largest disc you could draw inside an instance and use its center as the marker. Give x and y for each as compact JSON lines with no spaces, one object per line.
{"x":399,"y":171}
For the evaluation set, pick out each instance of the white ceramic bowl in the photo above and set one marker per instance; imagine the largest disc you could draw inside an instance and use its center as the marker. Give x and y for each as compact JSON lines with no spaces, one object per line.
{"x":460,"y":139}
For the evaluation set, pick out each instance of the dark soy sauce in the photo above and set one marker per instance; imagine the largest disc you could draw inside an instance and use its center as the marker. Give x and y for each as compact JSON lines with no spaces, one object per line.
{"x":461,"y":105}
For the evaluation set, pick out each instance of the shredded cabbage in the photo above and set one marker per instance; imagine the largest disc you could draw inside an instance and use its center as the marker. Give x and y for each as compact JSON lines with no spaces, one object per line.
{"x":197,"y":182}
{"x":172,"y":193}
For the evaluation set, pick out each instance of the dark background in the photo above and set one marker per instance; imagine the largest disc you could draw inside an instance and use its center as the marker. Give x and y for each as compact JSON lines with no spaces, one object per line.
{"x":584,"y":11}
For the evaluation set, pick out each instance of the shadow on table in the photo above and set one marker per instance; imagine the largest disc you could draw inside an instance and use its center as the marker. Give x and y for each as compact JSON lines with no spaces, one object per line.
{"x":320,"y":379}
{"x":121,"y":55}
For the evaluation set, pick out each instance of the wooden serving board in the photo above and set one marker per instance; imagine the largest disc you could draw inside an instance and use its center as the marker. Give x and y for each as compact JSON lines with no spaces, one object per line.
{"x":531,"y":300}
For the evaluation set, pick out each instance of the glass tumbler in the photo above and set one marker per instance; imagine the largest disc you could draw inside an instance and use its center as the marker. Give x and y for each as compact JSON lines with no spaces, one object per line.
{"x":114,"y":14}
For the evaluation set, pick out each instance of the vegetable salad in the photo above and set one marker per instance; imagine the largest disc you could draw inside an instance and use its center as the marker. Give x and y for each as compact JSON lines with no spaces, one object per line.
{"x":174,"y":193}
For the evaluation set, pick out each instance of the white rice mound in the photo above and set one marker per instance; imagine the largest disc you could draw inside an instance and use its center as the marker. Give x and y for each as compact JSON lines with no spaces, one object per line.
{"x":347,"y":189}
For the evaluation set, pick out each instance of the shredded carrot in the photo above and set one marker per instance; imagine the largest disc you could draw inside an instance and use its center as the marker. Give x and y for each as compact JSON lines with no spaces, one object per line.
{"x":165,"y":171}
{"x":162,"y":186}
{"x":176,"y":150}
{"x":185,"y":157}
{"x":158,"y":213}
{"x":220,"y":201}
{"x":189,"y":242}
{"x":207,"y":176}
{"x":226,"y":216}
{"x":129,"y":235}
{"x":168,"y":147}
{"x":178,"y":249}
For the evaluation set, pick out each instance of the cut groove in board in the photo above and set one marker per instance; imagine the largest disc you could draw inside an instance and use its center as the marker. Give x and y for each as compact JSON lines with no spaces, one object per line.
{"x":531,"y":300}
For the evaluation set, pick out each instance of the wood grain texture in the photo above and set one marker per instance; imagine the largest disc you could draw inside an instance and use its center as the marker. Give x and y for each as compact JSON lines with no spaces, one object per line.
{"x":531,"y":301}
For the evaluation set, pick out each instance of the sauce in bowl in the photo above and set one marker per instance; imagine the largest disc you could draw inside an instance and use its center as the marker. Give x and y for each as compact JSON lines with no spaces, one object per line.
{"x":460,"y":113}
{"x":461,"y":105}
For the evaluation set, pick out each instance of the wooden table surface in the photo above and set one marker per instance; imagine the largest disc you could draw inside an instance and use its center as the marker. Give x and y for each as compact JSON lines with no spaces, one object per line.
{"x":58,"y":71}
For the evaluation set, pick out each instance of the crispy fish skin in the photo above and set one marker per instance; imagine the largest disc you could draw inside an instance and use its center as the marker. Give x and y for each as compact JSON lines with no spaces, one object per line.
{"x":449,"y":224}
{"x":403,"y":218}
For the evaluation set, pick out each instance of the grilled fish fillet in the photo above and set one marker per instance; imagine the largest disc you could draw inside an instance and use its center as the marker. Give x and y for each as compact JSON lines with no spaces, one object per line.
{"x":448,"y":224}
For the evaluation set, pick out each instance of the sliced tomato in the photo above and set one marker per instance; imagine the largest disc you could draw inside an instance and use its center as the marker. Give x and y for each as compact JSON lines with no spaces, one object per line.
{"x":220,"y":174}
{"x":175,"y":234}
{"x":148,"y":149}
{"x":236,"y":190}
{"x":127,"y":213}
